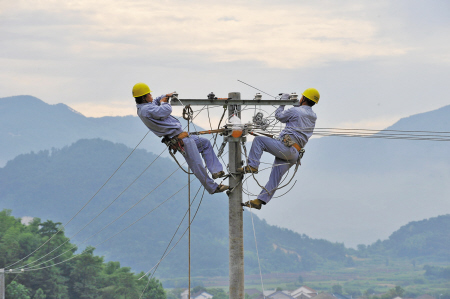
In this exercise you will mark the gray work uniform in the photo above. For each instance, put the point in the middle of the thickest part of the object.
(157, 117)
(296, 119)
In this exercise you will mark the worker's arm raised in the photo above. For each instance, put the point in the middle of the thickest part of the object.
(282, 115)
(165, 98)
(160, 110)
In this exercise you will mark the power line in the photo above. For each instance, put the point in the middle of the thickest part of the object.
(62, 227)
(82, 208)
(117, 218)
(70, 238)
(195, 214)
(100, 243)
(174, 234)
(257, 89)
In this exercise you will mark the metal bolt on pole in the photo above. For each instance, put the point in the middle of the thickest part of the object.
(235, 212)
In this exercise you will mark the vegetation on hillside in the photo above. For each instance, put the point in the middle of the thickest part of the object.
(54, 184)
(67, 276)
(426, 239)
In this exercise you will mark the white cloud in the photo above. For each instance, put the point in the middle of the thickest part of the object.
(279, 36)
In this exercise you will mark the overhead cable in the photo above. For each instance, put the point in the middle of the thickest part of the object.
(174, 234)
(82, 208)
(109, 224)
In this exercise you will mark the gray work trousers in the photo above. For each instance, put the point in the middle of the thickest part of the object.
(194, 145)
(285, 157)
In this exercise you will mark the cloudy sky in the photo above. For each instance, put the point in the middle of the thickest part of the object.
(372, 61)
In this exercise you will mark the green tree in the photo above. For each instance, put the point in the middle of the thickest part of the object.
(39, 294)
(85, 275)
(395, 292)
(17, 291)
(154, 289)
(198, 289)
(219, 293)
(175, 293)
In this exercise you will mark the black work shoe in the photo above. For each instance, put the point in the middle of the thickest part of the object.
(247, 169)
(254, 204)
(221, 188)
(217, 175)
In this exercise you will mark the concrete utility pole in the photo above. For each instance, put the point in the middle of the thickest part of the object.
(2, 284)
(235, 212)
(235, 217)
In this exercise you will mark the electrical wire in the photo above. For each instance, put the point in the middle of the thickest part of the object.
(127, 227)
(82, 208)
(117, 218)
(97, 214)
(173, 236)
(73, 236)
(195, 214)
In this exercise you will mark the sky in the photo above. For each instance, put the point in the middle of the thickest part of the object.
(372, 61)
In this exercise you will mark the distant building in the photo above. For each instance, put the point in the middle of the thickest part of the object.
(268, 292)
(201, 295)
(198, 295)
(304, 292)
(280, 295)
(324, 296)
(273, 294)
(184, 294)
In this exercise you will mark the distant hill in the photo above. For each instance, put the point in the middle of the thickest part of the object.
(350, 190)
(28, 124)
(55, 184)
(426, 238)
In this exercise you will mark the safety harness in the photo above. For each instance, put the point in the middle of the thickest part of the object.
(175, 143)
(287, 140)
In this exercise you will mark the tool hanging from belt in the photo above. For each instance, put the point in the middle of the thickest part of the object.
(176, 144)
(287, 140)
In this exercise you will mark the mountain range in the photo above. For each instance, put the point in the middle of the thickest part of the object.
(28, 124)
(56, 184)
(351, 190)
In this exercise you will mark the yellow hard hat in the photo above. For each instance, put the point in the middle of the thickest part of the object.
(312, 94)
(140, 89)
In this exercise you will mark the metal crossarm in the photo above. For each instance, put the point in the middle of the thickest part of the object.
(233, 101)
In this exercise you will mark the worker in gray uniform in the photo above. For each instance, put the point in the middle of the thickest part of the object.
(300, 122)
(156, 115)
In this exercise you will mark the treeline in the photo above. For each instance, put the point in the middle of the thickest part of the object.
(427, 238)
(62, 273)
